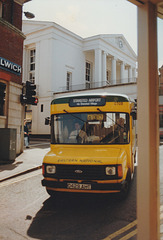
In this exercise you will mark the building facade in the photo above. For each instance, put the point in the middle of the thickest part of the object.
(59, 61)
(11, 52)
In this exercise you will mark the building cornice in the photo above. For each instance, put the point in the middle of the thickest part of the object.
(48, 25)
(11, 27)
(21, 2)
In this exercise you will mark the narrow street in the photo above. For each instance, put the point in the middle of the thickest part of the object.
(27, 212)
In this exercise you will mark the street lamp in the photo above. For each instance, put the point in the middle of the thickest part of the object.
(29, 15)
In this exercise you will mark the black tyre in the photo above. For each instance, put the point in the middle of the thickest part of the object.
(125, 187)
(124, 191)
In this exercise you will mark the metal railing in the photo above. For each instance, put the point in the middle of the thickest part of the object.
(92, 85)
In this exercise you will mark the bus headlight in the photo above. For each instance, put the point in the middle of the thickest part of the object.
(51, 169)
(110, 171)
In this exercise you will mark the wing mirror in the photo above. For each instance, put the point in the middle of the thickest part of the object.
(134, 114)
(47, 121)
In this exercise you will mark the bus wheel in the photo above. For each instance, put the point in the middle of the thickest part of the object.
(125, 187)
(124, 191)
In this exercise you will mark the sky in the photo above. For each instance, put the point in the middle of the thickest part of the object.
(87, 18)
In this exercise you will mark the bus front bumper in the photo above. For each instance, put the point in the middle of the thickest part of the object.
(89, 187)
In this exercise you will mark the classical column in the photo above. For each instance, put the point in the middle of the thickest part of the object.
(104, 68)
(130, 74)
(122, 72)
(98, 64)
(113, 71)
(134, 74)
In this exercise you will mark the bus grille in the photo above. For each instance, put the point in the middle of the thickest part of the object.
(81, 172)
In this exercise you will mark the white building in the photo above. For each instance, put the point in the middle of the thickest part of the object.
(59, 61)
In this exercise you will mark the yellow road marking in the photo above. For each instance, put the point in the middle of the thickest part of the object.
(122, 230)
(129, 235)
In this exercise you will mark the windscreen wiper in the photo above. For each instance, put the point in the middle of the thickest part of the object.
(111, 119)
(74, 116)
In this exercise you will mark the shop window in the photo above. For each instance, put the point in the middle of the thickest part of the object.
(2, 98)
(1, 9)
(161, 116)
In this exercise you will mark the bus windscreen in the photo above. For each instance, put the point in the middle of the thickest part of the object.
(90, 128)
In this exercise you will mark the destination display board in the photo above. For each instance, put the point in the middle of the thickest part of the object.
(95, 117)
(87, 101)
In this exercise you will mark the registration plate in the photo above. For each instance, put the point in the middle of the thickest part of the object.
(78, 186)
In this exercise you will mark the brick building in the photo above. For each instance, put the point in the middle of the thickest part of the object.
(11, 52)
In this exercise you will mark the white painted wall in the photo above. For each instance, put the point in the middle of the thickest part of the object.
(58, 51)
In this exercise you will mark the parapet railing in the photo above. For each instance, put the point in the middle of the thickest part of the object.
(90, 85)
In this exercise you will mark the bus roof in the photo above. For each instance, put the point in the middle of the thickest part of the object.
(111, 97)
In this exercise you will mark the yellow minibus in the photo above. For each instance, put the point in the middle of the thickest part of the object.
(93, 144)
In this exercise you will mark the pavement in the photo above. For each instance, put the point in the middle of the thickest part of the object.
(30, 160)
